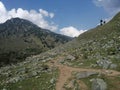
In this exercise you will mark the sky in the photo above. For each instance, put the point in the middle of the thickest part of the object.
(68, 17)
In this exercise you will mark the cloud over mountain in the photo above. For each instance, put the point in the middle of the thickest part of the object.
(42, 18)
(37, 17)
(71, 31)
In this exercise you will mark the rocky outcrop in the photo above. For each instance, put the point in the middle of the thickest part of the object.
(98, 84)
(105, 64)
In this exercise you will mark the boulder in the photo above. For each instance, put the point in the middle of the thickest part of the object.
(98, 84)
(113, 66)
(85, 74)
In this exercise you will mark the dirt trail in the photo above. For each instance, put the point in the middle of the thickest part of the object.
(65, 73)
(83, 86)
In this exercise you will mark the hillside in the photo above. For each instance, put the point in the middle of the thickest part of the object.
(20, 38)
(89, 62)
(100, 45)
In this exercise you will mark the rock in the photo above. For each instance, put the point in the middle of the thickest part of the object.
(32, 74)
(113, 66)
(80, 64)
(98, 84)
(15, 79)
(104, 63)
(7, 74)
(61, 61)
(21, 71)
(70, 57)
(93, 65)
(4, 89)
(52, 81)
(20, 86)
(44, 61)
(84, 74)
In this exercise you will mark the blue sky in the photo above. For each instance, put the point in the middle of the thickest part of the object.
(68, 17)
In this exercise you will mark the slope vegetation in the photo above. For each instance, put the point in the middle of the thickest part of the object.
(20, 38)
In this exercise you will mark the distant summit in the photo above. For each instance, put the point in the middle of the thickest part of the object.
(20, 38)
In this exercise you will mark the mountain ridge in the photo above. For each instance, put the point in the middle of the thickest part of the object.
(25, 38)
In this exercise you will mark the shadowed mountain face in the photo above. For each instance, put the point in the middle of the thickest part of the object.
(20, 38)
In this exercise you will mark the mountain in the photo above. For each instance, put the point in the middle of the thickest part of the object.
(20, 38)
(88, 62)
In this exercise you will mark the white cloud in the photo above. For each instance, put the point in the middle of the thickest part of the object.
(111, 6)
(2, 8)
(38, 18)
(51, 15)
(43, 12)
(71, 31)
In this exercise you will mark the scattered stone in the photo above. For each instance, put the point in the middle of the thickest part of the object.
(70, 57)
(61, 61)
(70, 84)
(52, 81)
(21, 71)
(4, 89)
(80, 64)
(7, 74)
(34, 73)
(93, 65)
(14, 79)
(104, 63)
(113, 66)
(37, 76)
(44, 61)
(98, 84)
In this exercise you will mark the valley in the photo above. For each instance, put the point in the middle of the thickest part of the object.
(89, 62)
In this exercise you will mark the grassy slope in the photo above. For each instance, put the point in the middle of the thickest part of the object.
(102, 42)
(41, 83)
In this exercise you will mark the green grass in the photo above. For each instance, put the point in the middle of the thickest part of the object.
(40, 83)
